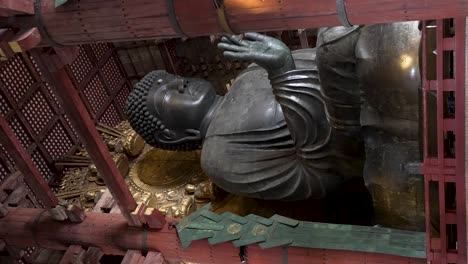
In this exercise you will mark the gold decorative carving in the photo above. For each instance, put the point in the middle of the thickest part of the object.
(172, 182)
(167, 180)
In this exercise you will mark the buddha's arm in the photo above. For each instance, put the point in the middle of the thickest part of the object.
(297, 91)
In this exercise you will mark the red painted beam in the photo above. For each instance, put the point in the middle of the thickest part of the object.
(25, 165)
(25, 40)
(17, 7)
(24, 227)
(85, 127)
(89, 21)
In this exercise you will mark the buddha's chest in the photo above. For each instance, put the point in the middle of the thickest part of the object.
(249, 105)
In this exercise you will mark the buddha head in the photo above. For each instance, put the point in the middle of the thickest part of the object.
(170, 112)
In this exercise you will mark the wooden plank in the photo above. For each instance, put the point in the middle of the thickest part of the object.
(17, 196)
(59, 213)
(3, 196)
(132, 257)
(93, 255)
(154, 218)
(25, 165)
(71, 254)
(26, 203)
(3, 210)
(115, 210)
(105, 203)
(44, 256)
(75, 213)
(14, 252)
(11, 182)
(154, 258)
(138, 215)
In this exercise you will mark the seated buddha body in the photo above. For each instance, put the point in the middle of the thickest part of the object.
(293, 126)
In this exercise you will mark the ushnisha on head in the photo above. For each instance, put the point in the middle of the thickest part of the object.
(171, 112)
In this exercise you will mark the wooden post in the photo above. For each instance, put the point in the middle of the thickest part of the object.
(76, 111)
(303, 38)
(25, 165)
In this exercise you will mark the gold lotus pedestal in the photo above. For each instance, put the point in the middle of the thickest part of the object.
(167, 180)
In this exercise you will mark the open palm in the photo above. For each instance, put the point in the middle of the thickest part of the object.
(268, 52)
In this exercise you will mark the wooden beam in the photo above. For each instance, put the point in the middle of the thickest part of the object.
(111, 233)
(25, 165)
(79, 117)
(90, 21)
(17, 7)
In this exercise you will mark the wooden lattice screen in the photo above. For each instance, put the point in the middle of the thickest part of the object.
(34, 113)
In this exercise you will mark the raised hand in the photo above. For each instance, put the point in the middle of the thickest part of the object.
(270, 53)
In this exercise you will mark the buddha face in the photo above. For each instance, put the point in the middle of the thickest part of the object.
(171, 110)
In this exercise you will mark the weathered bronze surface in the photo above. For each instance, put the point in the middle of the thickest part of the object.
(275, 135)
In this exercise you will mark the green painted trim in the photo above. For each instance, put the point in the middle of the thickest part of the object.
(60, 2)
(279, 231)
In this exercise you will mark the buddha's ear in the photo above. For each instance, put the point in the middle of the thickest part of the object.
(192, 135)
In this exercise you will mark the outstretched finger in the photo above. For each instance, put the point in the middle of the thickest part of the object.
(226, 40)
(232, 47)
(235, 55)
(255, 36)
(237, 40)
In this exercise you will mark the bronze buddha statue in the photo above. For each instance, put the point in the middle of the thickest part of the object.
(290, 127)
(285, 140)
